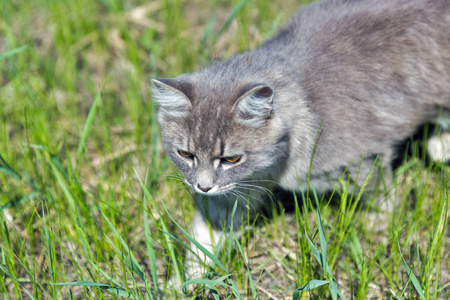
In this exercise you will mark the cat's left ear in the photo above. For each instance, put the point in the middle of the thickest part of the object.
(172, 96)
(255, 105)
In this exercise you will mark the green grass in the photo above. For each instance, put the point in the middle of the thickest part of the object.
(88, 211)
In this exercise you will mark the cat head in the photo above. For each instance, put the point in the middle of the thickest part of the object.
(219, 136)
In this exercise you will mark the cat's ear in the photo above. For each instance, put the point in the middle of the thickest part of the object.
(172, 96)
(255, 105)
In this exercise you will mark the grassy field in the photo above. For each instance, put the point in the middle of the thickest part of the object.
(88, 208)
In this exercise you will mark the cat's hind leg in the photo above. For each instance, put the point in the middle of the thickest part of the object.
(439, 147)
(439, 143)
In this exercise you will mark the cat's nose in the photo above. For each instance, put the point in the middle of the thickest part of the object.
(206, 189)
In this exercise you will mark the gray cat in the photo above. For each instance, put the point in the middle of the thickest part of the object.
(361, 76)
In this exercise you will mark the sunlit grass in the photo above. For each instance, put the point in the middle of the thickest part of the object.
(87, 208)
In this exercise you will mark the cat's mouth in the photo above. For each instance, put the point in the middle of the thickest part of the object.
(214, 191)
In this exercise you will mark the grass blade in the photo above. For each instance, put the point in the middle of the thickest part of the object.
(18, 201)
(323, 241)
(149, 244)
(106, 276)
(164, 227)
(285, 294)
(50, 252)
(366, 181)
(312, 284)
(15, 280)
(311, 160)
(231, 17)
(178, 240)
(88, 125)
(12, 52)
(208, 31)
(250, 277)
(333, 289)
(411, 276)
(109, 288)
(82, 283)
(62, 183)
(197, 244)
(208, 282)
(211, 284)
(132, 262)
(413, 279)
(318, 255)
(134, 267)
(8, 170)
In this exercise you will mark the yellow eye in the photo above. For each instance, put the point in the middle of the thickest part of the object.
(185, 154)
(231, 159)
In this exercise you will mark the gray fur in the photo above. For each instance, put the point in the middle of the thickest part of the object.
(371, 70)
(253, 108)
(172, 103)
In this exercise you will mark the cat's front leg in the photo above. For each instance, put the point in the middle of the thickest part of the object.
(197, 262)
(216, 210)
(208, 236)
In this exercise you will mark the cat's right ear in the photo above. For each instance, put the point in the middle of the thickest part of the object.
(171, 96)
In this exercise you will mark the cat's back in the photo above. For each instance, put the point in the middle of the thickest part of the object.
(362, 49)
(338, 21)
(378, 65)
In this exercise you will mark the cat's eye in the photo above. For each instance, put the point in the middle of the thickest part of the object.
(186, 154)
(231, 159)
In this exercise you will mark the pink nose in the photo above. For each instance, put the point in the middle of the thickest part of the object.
(203, 189)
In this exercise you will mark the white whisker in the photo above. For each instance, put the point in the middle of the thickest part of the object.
(259, 180)
(242, 196)
(257, 188)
